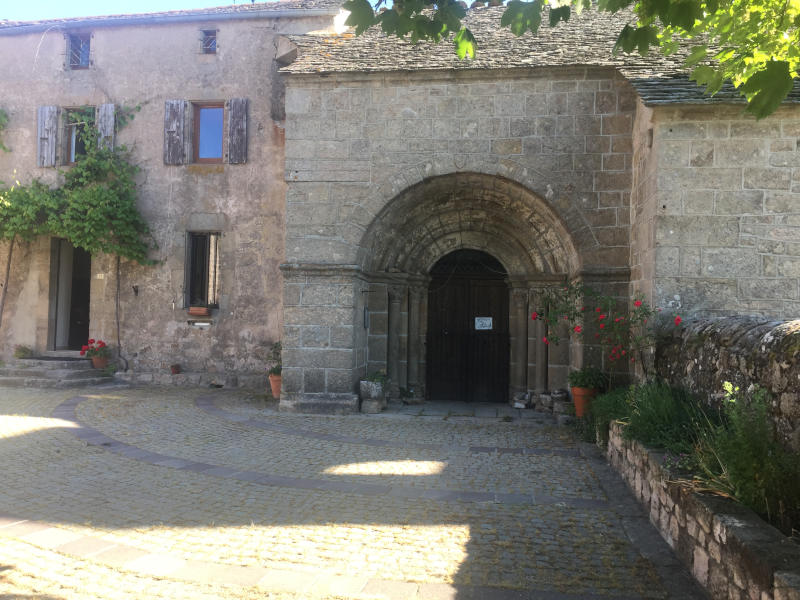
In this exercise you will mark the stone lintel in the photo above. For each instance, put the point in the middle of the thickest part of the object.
(603, 274)
(320, 404)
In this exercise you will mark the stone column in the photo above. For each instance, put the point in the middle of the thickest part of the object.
(539, 331)
(414, 350)
(396, 293)
(519, 379)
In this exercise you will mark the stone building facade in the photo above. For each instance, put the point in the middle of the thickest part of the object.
(161, 64)
(395, 190)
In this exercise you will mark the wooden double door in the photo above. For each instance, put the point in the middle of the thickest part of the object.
(468, 343)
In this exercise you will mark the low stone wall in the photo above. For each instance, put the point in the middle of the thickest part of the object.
(743, 350)
(728, 548)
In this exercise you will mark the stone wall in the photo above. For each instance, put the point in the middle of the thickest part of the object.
(728, 548)
(716, 210)
(705, 353)
(392, 171)
(145, 66)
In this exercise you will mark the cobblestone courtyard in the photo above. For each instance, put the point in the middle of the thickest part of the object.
(188, 493)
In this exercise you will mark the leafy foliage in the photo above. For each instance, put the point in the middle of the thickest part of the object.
(753, 43)
(741, 457)
(3, 124)
(664, 417)
(588, 377)
(95, 208)
(612, 406)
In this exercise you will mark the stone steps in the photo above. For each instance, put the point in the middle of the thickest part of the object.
(56, 372)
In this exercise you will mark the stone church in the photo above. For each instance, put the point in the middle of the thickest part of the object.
(379, 205)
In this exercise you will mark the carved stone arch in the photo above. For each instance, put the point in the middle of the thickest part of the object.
(468, 210)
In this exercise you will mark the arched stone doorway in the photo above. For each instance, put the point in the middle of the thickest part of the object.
(411, 243)
(354, 308)
(467, 342)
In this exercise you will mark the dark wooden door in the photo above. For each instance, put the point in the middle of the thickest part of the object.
(467, 362)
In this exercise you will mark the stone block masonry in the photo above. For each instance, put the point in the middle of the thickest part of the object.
(730, 551)
(716, 210)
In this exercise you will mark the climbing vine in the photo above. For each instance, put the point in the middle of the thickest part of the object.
(3, 123)
(94, 209)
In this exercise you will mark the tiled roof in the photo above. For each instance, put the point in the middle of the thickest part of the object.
(331, 6)
(585, 40)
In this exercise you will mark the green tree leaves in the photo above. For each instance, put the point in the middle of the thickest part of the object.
(754, 44)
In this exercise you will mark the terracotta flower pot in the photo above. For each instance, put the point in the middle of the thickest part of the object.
(99, 362)
(275, 386)
(582, 397)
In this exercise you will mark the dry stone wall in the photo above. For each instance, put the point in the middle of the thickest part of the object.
(746, 351)
(728, 548)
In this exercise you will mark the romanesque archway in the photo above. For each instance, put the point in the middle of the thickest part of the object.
(443, 215)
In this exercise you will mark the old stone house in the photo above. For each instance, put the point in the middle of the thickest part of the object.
(400, 209)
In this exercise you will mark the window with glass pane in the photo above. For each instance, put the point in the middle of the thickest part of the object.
(203, 269)
(209, 41)
(79, 51)
(208, 133)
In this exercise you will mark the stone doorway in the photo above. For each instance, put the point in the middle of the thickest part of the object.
(467, 333)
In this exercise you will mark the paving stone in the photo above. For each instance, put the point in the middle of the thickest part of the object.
(202, 495)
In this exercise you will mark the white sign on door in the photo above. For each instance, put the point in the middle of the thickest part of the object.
(483, 323)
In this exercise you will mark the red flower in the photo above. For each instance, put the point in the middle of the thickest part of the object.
(577, 329)
(566, 317)
(91, 341)
(598, 309)
(637, 303)
(597, 335)
(544, 339)
(84, 348)
(101, 344)
(623, 353)
(83, 351)
(602, 325)
(534, 315)
(601, 317)
(678, 321)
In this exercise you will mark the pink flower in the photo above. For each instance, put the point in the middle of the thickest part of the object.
(545, 340)
(678, 321)
(534, 315)
(637, 303)
(602, 325)
(601, 317)
(577, 329)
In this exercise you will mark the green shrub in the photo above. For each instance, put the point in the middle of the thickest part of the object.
(21, 351)
(611, 406)
(588, 377)
(743, 458)
(664, 417)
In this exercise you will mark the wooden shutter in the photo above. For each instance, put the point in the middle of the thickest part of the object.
(237, 131)
(174, 129)
(47, 132)
(104, 117)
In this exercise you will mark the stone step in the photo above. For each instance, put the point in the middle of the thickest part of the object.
(39, 382)
(45, 363)
(57, 374)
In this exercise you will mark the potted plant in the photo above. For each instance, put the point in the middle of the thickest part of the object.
(584, 384)
(372, 393)
(98, 352)
(275, 370)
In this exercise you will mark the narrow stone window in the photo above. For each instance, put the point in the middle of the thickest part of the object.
(209, 41)
(202, 269)
(208, 132)
(78, 45)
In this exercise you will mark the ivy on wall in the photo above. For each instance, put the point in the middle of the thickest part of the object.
(94, 209)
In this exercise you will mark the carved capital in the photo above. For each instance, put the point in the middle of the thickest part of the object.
(396, 293)
(520, 297)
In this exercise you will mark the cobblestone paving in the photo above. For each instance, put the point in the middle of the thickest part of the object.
(183, 493)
